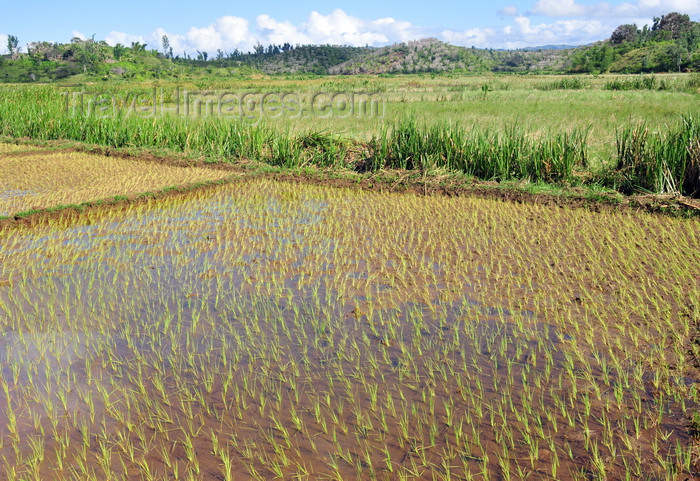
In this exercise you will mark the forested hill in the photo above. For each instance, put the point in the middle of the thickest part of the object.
(672, 43)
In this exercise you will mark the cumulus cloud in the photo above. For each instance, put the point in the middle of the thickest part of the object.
(225, 33)
(114, 38)
(3, 43)
(568, 22)
(473, 37)
(549, 21)
(280, 32)
(508, 11)
(229, 33)
(397, 30)
(524, 33)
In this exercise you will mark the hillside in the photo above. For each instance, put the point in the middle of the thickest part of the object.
(432, 55)
(672, 43)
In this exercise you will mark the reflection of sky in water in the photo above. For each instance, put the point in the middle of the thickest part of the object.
(180, 247)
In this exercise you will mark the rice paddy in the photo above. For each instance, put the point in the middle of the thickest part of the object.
(272, 330)
(4, 147)
(36, 180)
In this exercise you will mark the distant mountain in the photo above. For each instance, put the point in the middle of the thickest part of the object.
(550, 47)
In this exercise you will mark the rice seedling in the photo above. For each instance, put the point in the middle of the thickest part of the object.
(41, 180)
(278, 330)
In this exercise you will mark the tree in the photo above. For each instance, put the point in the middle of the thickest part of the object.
(167, 49)
(624, 33)
(42, 51)
(673, 22)
(86, 52)
(12, 43)
(118, 51)
(138, 47)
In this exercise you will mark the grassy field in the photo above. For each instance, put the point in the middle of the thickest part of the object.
(267, 330)
(541, 104)
(506, 110)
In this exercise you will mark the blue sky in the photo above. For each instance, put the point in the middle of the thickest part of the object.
(208, 25)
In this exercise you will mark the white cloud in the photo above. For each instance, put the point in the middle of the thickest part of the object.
(523, 33)
(572, 23)
(558, 8)
(226, 33)
(343, 29)
(80, 35)
(558, 21)
(229, 33)
(114, 38)
(3, 43)
(572, 32)
(640, 8)
(396, 29)
(473, 37)
(280, 32)
(525, 28)
(508, 11)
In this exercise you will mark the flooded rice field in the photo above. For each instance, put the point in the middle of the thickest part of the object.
(271, 330)
(34, 180)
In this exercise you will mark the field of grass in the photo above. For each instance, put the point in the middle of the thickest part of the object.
(542, 111)
(541, 104)
(34, 180)
(271, 330)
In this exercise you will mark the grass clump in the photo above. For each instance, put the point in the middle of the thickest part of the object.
(642, 82)
(566, 83)
(659, 162)
(485, 154)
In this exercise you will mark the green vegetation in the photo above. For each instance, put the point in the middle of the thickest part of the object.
(264, 330)
(511, 154)
(492, 128)
(660, 161)
(671, 44)
(160, 322)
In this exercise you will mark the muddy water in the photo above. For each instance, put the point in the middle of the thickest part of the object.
(275, 330)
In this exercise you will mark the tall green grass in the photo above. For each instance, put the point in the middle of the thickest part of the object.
(660, 162)
(641, 82)
(566, 83)
(511, 154)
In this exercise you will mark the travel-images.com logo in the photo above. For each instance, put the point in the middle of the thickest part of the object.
(249, 107)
